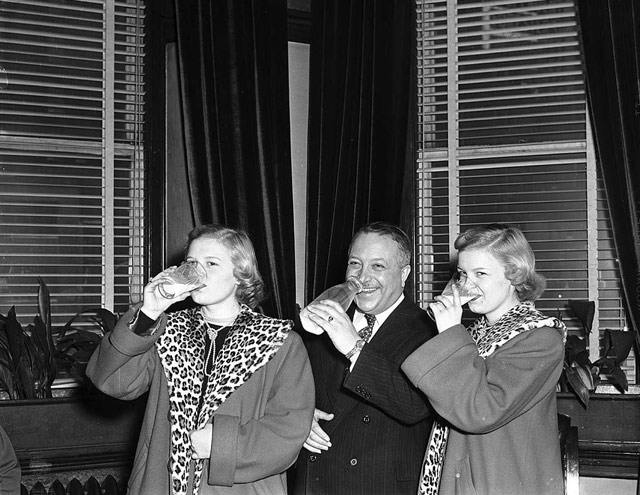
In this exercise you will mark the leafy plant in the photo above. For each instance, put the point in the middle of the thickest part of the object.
(32, 357)
(580, 374)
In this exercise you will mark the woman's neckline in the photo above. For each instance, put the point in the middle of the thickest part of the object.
(222, 321)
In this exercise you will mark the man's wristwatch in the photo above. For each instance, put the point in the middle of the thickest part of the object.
(356, 348)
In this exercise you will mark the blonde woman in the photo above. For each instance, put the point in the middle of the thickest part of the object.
(493, 384)
(231, 395)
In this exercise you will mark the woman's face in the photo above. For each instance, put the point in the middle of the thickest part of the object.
(483, 269)
(221, 284)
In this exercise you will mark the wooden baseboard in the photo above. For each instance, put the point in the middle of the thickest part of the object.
(73, 434)
(602, 460)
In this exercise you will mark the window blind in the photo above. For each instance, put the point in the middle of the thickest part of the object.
(71, 154)
(503, 136)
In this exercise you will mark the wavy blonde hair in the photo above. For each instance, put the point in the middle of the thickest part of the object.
(251, 289)
(509, 246)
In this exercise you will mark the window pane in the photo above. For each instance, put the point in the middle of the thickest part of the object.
(502, 125)
(519, 73)
(53, 54)
(72, 176)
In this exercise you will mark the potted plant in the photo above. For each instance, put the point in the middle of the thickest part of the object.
(581, 375)
(608, 423)
(32, 357)
(72, 432)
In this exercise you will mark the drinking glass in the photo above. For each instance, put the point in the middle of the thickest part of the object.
(467, 290)
(189, 276)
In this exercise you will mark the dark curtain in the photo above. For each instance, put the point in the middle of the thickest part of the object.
(234, 85)
(610, 31)
(360, 166)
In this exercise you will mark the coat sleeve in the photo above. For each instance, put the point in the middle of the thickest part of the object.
(480, 395)
(377, 377)
(10, 473)
(124, 363)
(379, 380)
(262, 447)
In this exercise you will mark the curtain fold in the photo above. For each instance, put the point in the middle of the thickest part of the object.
(361, 60)
(233, 67)
(610, 31)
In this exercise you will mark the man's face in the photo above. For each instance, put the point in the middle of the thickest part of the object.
(375, 260)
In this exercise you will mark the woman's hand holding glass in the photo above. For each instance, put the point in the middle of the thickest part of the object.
(172, 285)
(446, 310)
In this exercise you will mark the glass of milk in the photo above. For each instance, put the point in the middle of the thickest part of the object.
(467, 290)
(188, 277)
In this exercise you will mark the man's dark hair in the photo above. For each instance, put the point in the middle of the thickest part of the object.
(392, 231)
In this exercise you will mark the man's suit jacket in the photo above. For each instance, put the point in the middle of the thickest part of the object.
(381, 421)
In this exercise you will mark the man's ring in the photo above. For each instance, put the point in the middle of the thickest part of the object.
(330, 319)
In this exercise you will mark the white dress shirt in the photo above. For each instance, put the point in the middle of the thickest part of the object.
(359, 321)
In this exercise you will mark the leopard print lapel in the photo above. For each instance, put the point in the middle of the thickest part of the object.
(252, 341)
(518, 319)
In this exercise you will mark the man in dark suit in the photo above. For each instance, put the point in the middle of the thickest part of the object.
(371, 425)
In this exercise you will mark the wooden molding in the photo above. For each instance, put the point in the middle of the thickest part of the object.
(70, 434)
(608, 433)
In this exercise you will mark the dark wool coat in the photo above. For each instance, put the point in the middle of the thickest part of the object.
(10, 472)
(381, 421)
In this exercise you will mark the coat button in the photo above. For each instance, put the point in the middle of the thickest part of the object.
(366, 418)
(312, 458)
(353, 461)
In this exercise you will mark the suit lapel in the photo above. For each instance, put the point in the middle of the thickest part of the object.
(346, 400)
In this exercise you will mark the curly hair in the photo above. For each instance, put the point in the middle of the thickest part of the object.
(251, 289)
(509, 246)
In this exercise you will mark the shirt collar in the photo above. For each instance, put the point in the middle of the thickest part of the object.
(360, 322)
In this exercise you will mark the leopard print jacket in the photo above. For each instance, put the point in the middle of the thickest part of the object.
(252, 341)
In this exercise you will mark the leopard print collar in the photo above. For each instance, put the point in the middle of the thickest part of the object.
(521, 318)
(252, 341)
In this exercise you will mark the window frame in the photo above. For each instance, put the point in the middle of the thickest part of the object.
(121, 143)
(443, 150)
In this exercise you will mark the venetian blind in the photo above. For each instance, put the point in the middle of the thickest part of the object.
(502, 137)
(71, 143)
